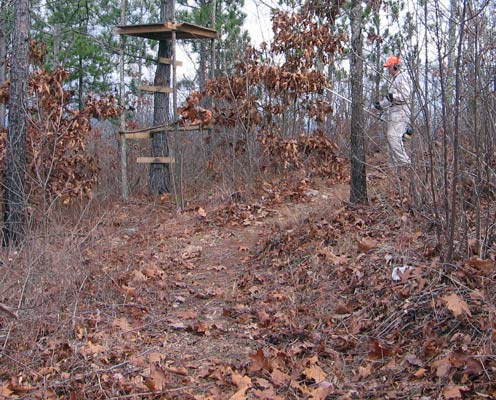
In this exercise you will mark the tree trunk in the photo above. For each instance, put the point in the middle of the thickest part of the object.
(378, 54)
(15, 199)
(3, 54)
(455, 148)
(80, 83)
(212, 42)
(124, 181)
(202, 68)
(160, 173)
(358, 189)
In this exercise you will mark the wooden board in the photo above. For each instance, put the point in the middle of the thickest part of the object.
(163, 31)
(160, 89)
(138, 135)
(156, 160)
(166, 60)
(146, 133)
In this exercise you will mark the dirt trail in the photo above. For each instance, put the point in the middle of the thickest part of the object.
(179, 279)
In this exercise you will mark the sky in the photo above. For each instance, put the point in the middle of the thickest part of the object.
(257, 21)
(257, 24)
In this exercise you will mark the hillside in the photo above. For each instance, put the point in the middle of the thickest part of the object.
(287, 296)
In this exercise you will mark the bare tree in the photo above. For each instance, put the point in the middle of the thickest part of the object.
(3, 54)
(15, 201)
(358, 189)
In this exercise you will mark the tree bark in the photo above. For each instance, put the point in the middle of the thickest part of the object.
(3, 54)
(455, 148)
(358, 189)
(14, 229)
(124, 181)
(160, 173)
(212, 42)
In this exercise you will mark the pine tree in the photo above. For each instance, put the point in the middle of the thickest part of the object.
(80, 37)
(15, 201)
(232, 39)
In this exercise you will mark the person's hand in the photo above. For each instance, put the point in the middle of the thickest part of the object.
(377, 106)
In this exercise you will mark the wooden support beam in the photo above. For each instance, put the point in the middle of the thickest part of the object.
(156, 160)
(161, 89)
(146, 133)
(166, 60)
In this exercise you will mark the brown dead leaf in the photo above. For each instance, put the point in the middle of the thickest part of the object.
(454, 392)
(157, 379)
(366, 244)
(155, 357)
(267, 394)
(262, 383)
(164, 198)
(46, 371)
(122, 324)
(328, 254)
(91, 349)
(259, 361)
(130, 291)
(413, 360)
(137, 276)
(201, 212)
(243, 383)
(442, 367)
(202, 327)
(5, 391)
(379, 350)
(420, 373)
(366, 371)
(485, 266)
(177, 370)
(279, 378)
(137, 361)
(316, 373)
(277, 295)
(322, 391)
(456, 305)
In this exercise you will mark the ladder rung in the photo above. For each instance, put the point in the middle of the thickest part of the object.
(156, 160)
(137, 135)
(160, 89)
(167, 60)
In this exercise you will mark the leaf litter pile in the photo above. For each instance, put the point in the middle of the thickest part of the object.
(303, 297)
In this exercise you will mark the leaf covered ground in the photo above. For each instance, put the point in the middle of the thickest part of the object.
(295, 294)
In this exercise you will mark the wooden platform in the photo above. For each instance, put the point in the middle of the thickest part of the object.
(163, 31)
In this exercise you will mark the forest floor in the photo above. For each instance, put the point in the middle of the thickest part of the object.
(291, 295)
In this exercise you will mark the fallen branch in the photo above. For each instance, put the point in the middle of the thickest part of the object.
(9, 311)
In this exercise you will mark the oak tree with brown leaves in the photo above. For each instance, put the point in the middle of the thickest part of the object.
(58, 165)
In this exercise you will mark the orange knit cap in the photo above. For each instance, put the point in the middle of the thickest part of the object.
(393, 60)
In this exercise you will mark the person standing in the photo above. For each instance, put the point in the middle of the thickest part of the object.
(395, 104)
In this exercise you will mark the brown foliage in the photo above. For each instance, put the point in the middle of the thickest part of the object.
(58, 163)
(260, 94)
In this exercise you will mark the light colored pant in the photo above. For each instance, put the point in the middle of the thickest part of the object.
(397, 122)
